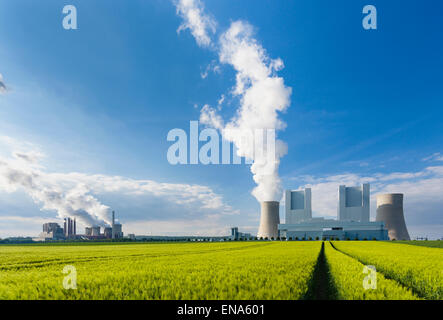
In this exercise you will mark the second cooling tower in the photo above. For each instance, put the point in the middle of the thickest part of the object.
(390, 211)
(269, 220)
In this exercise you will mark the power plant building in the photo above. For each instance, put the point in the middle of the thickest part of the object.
(236, 235)
(353, 217)
(298, 206)
(353, 203)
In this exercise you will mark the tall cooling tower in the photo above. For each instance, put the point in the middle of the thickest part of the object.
(390, 211)
(269, 220)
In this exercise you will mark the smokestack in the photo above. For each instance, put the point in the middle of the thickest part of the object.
(390, 211)
(269, 220)
(75, 227)
(113, 224)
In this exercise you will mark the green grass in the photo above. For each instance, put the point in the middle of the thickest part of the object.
(347, 276)
(231, 270)
(415, 267)
(427, 243)
(249, 270)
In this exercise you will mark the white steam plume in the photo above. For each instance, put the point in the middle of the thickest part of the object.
(262, 94)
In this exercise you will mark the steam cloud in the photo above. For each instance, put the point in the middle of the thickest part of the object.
(261, 92)
(68, 200)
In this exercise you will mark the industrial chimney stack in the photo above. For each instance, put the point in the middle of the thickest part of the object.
(269, 220)
(390, 211)
(113, 224)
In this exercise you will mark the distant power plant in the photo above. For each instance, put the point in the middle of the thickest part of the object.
(113, 232)
(53, 231)
(390, 210)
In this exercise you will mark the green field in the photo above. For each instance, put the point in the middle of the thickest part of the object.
(235, 270)
(427, 243)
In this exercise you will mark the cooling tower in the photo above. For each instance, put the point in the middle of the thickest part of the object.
(390, 211)
(269, 220)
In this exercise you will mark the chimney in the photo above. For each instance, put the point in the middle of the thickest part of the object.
(113, 224)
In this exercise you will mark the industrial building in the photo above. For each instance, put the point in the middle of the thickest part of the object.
(112, 232)
(298, 206)
(53, 231)
(352, 217)
(353, 203)
(236, 235)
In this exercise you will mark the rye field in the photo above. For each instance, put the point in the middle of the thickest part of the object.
(286, 270)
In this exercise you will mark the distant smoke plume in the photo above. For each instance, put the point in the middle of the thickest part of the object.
(262, 95)
(68, 200)
(75, 194)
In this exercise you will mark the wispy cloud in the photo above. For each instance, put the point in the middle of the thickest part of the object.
(434, 157)
(201, 25)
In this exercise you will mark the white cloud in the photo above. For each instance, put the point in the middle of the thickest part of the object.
(200, 24)
(434, 157)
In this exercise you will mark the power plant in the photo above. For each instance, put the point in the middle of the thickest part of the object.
(352, 217)
(53, 231)
(390, 211)
(269, 220)
(112, 232)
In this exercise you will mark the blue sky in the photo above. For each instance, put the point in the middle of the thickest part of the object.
(100, 100)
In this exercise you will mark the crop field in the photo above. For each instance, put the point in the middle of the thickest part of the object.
(427, 243)
(288, 270)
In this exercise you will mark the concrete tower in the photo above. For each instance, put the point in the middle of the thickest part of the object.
(390, 211)
(269, 220)
(298, 206)
(353, 203)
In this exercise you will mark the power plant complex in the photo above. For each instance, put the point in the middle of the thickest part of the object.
(53, 231)
(352, 221)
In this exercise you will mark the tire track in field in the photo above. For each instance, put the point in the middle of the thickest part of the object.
(45, 263)
(321, 286)
(400, 283)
